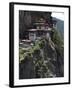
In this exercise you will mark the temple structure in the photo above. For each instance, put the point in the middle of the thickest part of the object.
(42, 29)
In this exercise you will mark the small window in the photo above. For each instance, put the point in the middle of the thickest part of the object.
(47, 27)
(42, 27)
(37, 27)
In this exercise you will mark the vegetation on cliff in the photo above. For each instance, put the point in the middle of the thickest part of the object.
(45, 57)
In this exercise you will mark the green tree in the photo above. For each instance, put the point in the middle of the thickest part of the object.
(56, 38)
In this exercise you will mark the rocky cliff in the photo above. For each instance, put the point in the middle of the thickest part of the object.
(44, 59)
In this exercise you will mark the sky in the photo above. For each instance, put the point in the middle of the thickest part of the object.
(58, 15)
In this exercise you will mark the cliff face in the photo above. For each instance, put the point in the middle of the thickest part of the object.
(43, 60)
